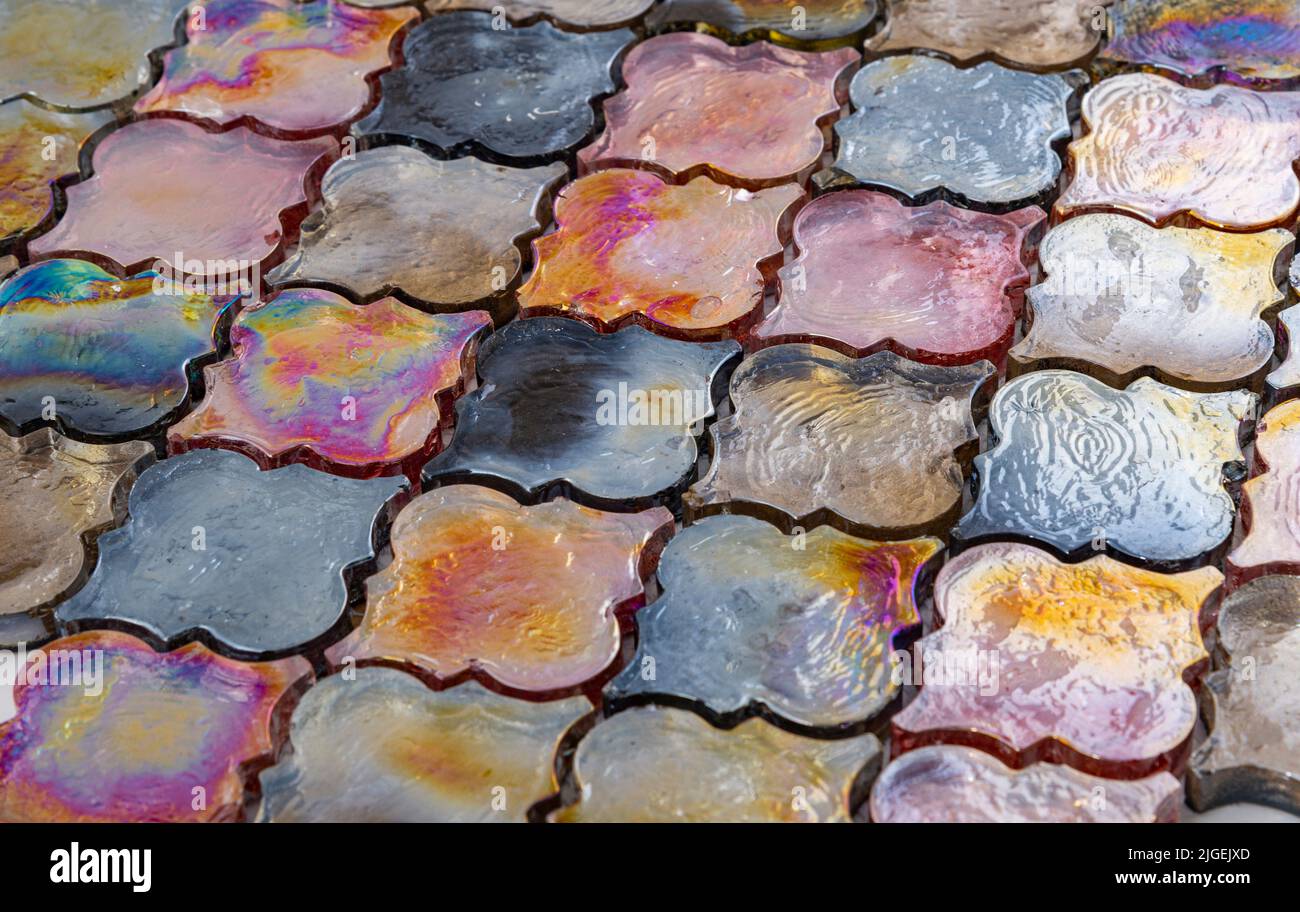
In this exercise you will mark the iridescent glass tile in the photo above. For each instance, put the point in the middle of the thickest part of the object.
(877, 446)
(382, 747)
(818, 23)
(751, 115)
(945, 783)
(609, 419)
(294, 66)
(1084, 468)
(8, 265)
(933, 283)
(658, 765)
(1270, 506)
(579, 14)
(690, 261)
(257, 562)
(803, 626)
(1223, 158)
(1283, 381)
(109, 731)
(1036, 660)
(531, 597)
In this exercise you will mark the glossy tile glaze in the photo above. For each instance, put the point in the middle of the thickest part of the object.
(609, 419)
(950, 784)
(517, 93)
(253, 560)
(442, 232)
(1271, 500)
(59, 495)
(817, 437)
(1037, 660)
(95, 355)
(803, 625)
(694, 104)
(933, 283)
(1083, 467)
(289, 65)
(163, 186)
(385, 748)
(660, 765)
(581, 14)
(793, 22)
(1224, 157)
(1286, 377)
(1253, 749)
(688, 261)
(528, 596)
(984, 135)
(148, 737)
(1120, 296)
(356, 390)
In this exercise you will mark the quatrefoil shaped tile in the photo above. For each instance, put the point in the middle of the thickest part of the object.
(690, 261)
(803, 626)
(654, 764)
(136, 736)
(933, 283)
(38, 147)
(1224, 157)
(818, 23)
(1122, 298)
(95, 355)
(1038, 34)
(292, 66)
(1253, 749)
(357, 390)
(1084, 467)
(945, 783)
(607, 419)
(515, 93)
(461, 594)
(877, 446)
(59, 494)
(1252, 43)
(164, 187)
(382, 747)
(980, 136)
(751, 116)
(1036, 660)
(256, 562)
(575, 14)
(1270, 507)
(445, 233)
(81, 53)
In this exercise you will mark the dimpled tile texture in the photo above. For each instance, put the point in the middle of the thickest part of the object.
(146, 737)
(921, 126)
(58, 495)
(1037, 660)
(442, 232)
(803, 625)
(661, 765)
(528, 596)
(383, 747)
(818, 437)
(949, 784)
(1249, 42)
(361, 390)
(81, 53)
(1224, 157)
(37, 147)
(1271, 500)
(1253, 749)
(97, 355)
(932, 283)
(1032, 33)
(523, 92)
(786, 21)
(606, 417)
(1120, 295)
(593, 14)
(290, 65)
(254, 560)
(747, 115)
(687, 261)
(165, 186)
(1080, 466)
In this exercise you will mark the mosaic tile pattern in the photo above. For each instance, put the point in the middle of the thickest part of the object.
(1271, 500)
(818, 22)
(579, 14)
